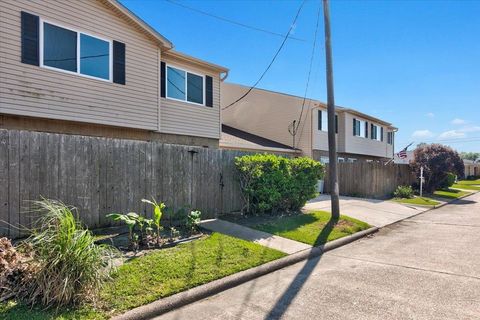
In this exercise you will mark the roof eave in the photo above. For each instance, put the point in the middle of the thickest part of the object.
(182, 56)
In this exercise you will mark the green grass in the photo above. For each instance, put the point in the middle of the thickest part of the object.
(160, 274)
(467, 186)
(418, 201)
(312, 228)
(469, 182)
(450, 193)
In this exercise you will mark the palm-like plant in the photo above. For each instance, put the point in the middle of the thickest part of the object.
(157, 214)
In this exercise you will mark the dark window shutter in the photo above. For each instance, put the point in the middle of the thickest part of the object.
(30, 39)
(336, 123)
(354, 126)
(118, 62)
(381, 133)
(319, 119)
(208, 91)
(366, 129)
(163, 77)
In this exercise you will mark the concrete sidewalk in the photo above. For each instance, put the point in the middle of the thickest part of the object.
(378, 213)
(265, 239)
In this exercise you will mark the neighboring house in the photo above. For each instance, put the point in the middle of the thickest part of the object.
(472, 168)
(270, 114)
(92, 67)
(236, 139)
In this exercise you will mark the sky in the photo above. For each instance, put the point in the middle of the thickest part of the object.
(415, 64)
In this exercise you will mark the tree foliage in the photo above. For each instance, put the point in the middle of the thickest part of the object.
(437, 161)
(273, 183)
(470, 155)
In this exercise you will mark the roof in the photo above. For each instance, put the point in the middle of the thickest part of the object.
(318, 103)
(233, 138)
(142, 25)
(185, 57)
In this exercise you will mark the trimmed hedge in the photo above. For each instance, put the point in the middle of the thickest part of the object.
(272, 183)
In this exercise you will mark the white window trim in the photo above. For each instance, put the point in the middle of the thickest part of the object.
(361, 125)
(110, 52)
(186, 93)
(378, 132)
(325, 116)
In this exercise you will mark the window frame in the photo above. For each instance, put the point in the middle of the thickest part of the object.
(320, 121)
(360, 128)
(186, 84)
(78, 32)
(378, 132)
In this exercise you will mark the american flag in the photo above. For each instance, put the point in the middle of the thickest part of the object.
(403, 154)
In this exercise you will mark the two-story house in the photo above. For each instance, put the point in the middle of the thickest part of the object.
(271, 115)
(92, 67)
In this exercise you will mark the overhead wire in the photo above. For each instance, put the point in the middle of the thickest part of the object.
(272, 61)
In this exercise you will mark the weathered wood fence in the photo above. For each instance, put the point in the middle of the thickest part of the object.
(371, 179)
(101, 176)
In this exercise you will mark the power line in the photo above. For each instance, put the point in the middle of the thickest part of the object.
(273, 59)
(309, 72)
(462, 139)
(230, 21)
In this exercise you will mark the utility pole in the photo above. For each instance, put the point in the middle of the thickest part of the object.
(332, 148)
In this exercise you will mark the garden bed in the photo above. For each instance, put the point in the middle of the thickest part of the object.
(161, 273)
(312, 228)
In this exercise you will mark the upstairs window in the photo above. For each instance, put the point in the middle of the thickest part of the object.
(185, 86)
(376, 133)
(359, 128)
(75, 52)
(390, 137)
(323, 121)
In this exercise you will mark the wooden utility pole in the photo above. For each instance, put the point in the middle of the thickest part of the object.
(332, 148)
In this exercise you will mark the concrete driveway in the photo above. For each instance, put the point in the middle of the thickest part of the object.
(378, 213)
(426, 267)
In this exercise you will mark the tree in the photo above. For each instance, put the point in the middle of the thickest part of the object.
(470, 155)
(437, 161)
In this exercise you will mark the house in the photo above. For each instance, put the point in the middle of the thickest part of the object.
(92, 67)
(270, 115)
(472, 168)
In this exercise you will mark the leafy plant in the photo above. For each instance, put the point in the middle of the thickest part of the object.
(405, 192)
(70, 267)
(193, 220)
(448, 181)
(157, 214)
(174, 233)
(130, 219)
(272, 183)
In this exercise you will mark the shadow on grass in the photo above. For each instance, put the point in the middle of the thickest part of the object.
(297, 283)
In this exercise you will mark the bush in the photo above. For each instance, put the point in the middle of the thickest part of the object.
(437, 162)
(448, 181)
(273, 183)
(405, 192)
(70, 267)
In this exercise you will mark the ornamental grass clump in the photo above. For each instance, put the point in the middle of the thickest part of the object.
(70, 267)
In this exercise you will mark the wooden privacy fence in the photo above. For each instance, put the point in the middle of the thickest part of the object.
(101, 176)
(371, 179)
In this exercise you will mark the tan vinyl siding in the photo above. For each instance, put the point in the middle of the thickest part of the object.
(364, 146)
(34, 91)
(178, 117)
(267, 114)
(320, 137)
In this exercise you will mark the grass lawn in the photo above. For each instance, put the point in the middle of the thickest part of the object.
(468, 185)
(312, 228)
(160, 274)
(418, 201)
(450, 193)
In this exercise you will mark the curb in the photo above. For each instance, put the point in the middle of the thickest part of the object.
(181, 299)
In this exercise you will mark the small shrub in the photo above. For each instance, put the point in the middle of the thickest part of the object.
(448, 181)
(405, 192)
(271, 183)
(70, 267)
(193, 220)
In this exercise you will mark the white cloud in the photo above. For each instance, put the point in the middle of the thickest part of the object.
(458, 121)
(452, 134)
(422, 134)
(470, 129)
(430, 115)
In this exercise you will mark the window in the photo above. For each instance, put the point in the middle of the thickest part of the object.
(341, 160)
(323, 121)
(376, 133)
(359, 128)
(75, 52)
(351, 160)
(185, 86)
(390, 137)
(324, 159)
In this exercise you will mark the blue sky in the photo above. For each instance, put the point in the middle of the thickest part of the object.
(413, 63)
